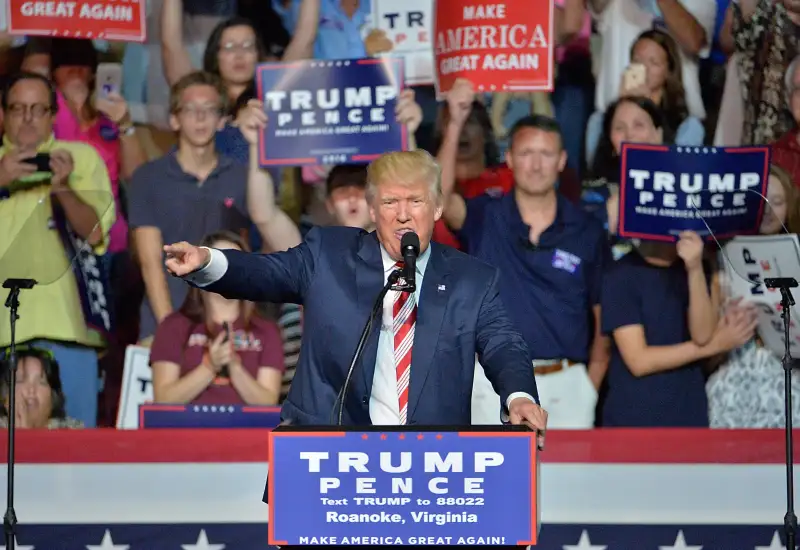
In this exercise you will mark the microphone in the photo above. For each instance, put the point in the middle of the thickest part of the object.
(409, 247)
(377, 308)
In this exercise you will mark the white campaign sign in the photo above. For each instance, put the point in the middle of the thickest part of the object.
(137, 386)
(750, 260)
(409, 25)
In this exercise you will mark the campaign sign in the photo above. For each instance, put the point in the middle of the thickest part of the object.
(747, 262)
(330, 112)
(501, 46)
(409, 25)
(667, 190)
(403, 488)
(208, 416)
(137, 386)
(123, 20)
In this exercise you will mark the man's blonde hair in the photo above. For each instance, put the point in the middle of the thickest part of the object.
(405, 167)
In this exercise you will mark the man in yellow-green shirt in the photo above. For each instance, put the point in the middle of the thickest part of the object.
(72, 185)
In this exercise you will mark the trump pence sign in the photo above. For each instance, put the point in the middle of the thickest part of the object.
(330, 112)
(404, 488)
(717, 192)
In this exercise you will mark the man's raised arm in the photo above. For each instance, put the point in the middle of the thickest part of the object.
(281, 277)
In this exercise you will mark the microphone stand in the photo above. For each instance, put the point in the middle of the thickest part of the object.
(14, 287)
(784, 284)
(362, 341)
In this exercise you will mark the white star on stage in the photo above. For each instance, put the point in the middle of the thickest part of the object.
(680, 544)
(107, 544)
(202, 543)
(584, 544)
(18, 546)
(775, 543)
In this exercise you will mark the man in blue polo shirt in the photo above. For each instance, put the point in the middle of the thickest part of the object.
(550, 255)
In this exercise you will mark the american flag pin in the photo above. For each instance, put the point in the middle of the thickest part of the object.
(441, 288)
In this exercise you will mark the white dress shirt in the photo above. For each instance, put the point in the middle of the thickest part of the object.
(384, 405)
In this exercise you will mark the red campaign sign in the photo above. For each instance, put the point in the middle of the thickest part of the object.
(122, 20)
(499, 46)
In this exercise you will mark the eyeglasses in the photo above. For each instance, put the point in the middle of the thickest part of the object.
(37, 110)
(196, 111)
(231, 47)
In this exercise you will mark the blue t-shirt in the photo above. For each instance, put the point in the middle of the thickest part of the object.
(549, 288)
(638, 293)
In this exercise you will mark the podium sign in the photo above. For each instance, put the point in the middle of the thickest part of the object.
(468, 488)
(208, 416)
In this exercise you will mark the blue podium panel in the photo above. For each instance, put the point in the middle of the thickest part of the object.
(405, 488)
(208, 416)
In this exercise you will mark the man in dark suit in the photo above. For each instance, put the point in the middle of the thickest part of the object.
(418, 363)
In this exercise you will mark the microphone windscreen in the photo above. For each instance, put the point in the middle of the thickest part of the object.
(410, 240)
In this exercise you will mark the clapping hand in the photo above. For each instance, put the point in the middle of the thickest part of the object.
(21, 416)
(184, 258)
(736, 327)
(220, 353)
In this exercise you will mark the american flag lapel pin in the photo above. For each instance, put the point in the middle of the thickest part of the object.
(441, 288)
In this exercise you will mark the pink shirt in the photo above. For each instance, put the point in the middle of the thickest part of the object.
(580, 42)
(104, 137)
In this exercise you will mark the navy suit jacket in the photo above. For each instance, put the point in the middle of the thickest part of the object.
(337, 274)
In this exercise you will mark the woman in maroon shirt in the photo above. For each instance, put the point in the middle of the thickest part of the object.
(217, 351)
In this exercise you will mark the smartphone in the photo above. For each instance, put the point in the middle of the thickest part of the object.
(635, 76)
(108, 80)
(227, 328)
(40, 161)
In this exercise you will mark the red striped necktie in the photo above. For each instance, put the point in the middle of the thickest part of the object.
(405, 316)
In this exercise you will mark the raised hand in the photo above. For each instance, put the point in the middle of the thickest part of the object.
(184, 258)
(690, 249)
(459, 101)
(251, 121)
(377, 42)
(408, 111)
(114, 107)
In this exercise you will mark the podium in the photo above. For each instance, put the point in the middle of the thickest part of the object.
(392, 485)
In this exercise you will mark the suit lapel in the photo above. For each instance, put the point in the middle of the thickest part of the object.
(432, 305)
(369, 282)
